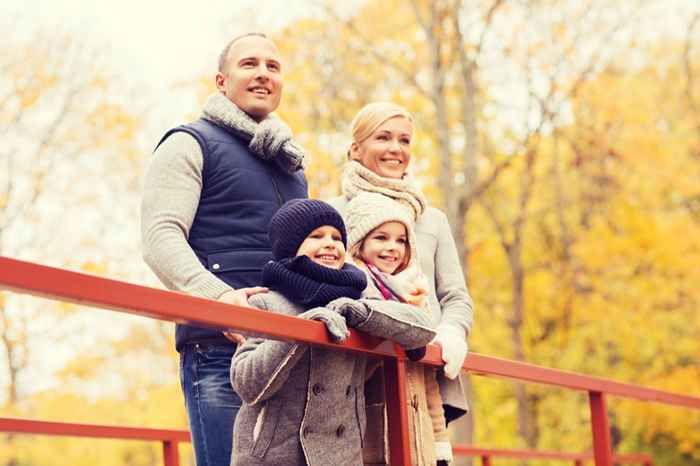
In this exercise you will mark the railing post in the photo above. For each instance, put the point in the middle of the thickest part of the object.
(170, 455)
(395, 390)
(578, 462)
(602, 447)
(485, 460)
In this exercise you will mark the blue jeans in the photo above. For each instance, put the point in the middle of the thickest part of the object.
(211, 403)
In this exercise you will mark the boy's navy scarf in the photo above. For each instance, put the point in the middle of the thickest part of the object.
(308, 284)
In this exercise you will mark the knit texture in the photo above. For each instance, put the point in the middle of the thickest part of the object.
(271, 139)
(396, 288)
(308, 284)
(335, 323)
(358, 179)
(368, 210)
(295, 220)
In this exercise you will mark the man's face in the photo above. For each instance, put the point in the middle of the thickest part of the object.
(252, 78)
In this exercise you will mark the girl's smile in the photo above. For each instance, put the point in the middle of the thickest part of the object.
(385, 247)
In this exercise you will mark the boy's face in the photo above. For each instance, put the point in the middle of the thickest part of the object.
(324, 246)
(385, 247)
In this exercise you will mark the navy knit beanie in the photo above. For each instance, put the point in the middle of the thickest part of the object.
(294, 221)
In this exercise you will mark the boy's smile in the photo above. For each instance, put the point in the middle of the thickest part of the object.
(325, 247)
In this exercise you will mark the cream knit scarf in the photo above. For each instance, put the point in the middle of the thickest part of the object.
(271, 139)
(358, 179)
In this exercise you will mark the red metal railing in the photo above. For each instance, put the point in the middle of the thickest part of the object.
(579, 459)
(64, 285)
(168, 437)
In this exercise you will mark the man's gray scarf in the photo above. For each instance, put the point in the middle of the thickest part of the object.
(271, 139)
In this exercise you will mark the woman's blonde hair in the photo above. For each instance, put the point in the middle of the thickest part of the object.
(371, 116)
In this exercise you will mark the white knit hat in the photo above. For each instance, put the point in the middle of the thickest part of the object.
(367, 211)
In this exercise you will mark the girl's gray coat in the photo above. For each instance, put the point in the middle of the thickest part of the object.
(304, 405)
(448, 298)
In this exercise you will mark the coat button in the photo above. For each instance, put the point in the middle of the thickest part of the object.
(348, 391)
(317, 389)
(216, 266)
(306, 432)
(340, 431)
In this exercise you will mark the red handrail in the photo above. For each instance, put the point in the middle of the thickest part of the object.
(579, 459)
(168, 437)
(64, 285)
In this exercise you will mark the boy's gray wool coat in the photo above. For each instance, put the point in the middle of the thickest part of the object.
(304, 405)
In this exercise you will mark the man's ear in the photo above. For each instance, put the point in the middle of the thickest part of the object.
(220, 80)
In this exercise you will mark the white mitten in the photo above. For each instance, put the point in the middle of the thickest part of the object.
(454, 349)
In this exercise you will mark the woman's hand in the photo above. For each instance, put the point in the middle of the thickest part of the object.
(454, 349)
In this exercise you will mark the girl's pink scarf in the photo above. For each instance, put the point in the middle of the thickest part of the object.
(380, 281)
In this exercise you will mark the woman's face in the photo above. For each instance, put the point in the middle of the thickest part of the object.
(324, 246)
(387, 151)
(385, 247)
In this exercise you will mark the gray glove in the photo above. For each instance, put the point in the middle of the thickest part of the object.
(355, 312)
(335, 323)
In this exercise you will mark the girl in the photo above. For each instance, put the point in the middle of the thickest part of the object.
(304, 405)
(382, 242)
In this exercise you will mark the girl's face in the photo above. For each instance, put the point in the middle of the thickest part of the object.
(324, 246)
(387, 151)
(386, 247)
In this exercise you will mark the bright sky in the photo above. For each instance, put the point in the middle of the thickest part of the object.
(164, 40)
(150, 45)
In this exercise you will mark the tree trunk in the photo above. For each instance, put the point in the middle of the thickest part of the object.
(525, 421)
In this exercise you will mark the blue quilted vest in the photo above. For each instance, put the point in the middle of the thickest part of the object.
(240, 194)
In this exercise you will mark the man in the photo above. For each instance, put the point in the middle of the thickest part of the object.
(209, 195)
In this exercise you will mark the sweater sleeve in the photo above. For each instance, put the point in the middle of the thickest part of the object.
(452, 294)
(172, 188)
(260, 367)
(391, 320)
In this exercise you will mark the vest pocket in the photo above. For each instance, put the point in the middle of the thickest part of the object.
(238, 260)
(265, 427)
(240, 267)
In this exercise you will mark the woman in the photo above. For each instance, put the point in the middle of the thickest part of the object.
(378, 161)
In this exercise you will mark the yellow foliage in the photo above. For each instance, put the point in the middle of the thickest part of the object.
(609, 241)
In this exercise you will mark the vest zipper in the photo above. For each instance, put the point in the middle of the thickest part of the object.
(277, 190)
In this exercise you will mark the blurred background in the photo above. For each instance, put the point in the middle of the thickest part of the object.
(562, 137)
